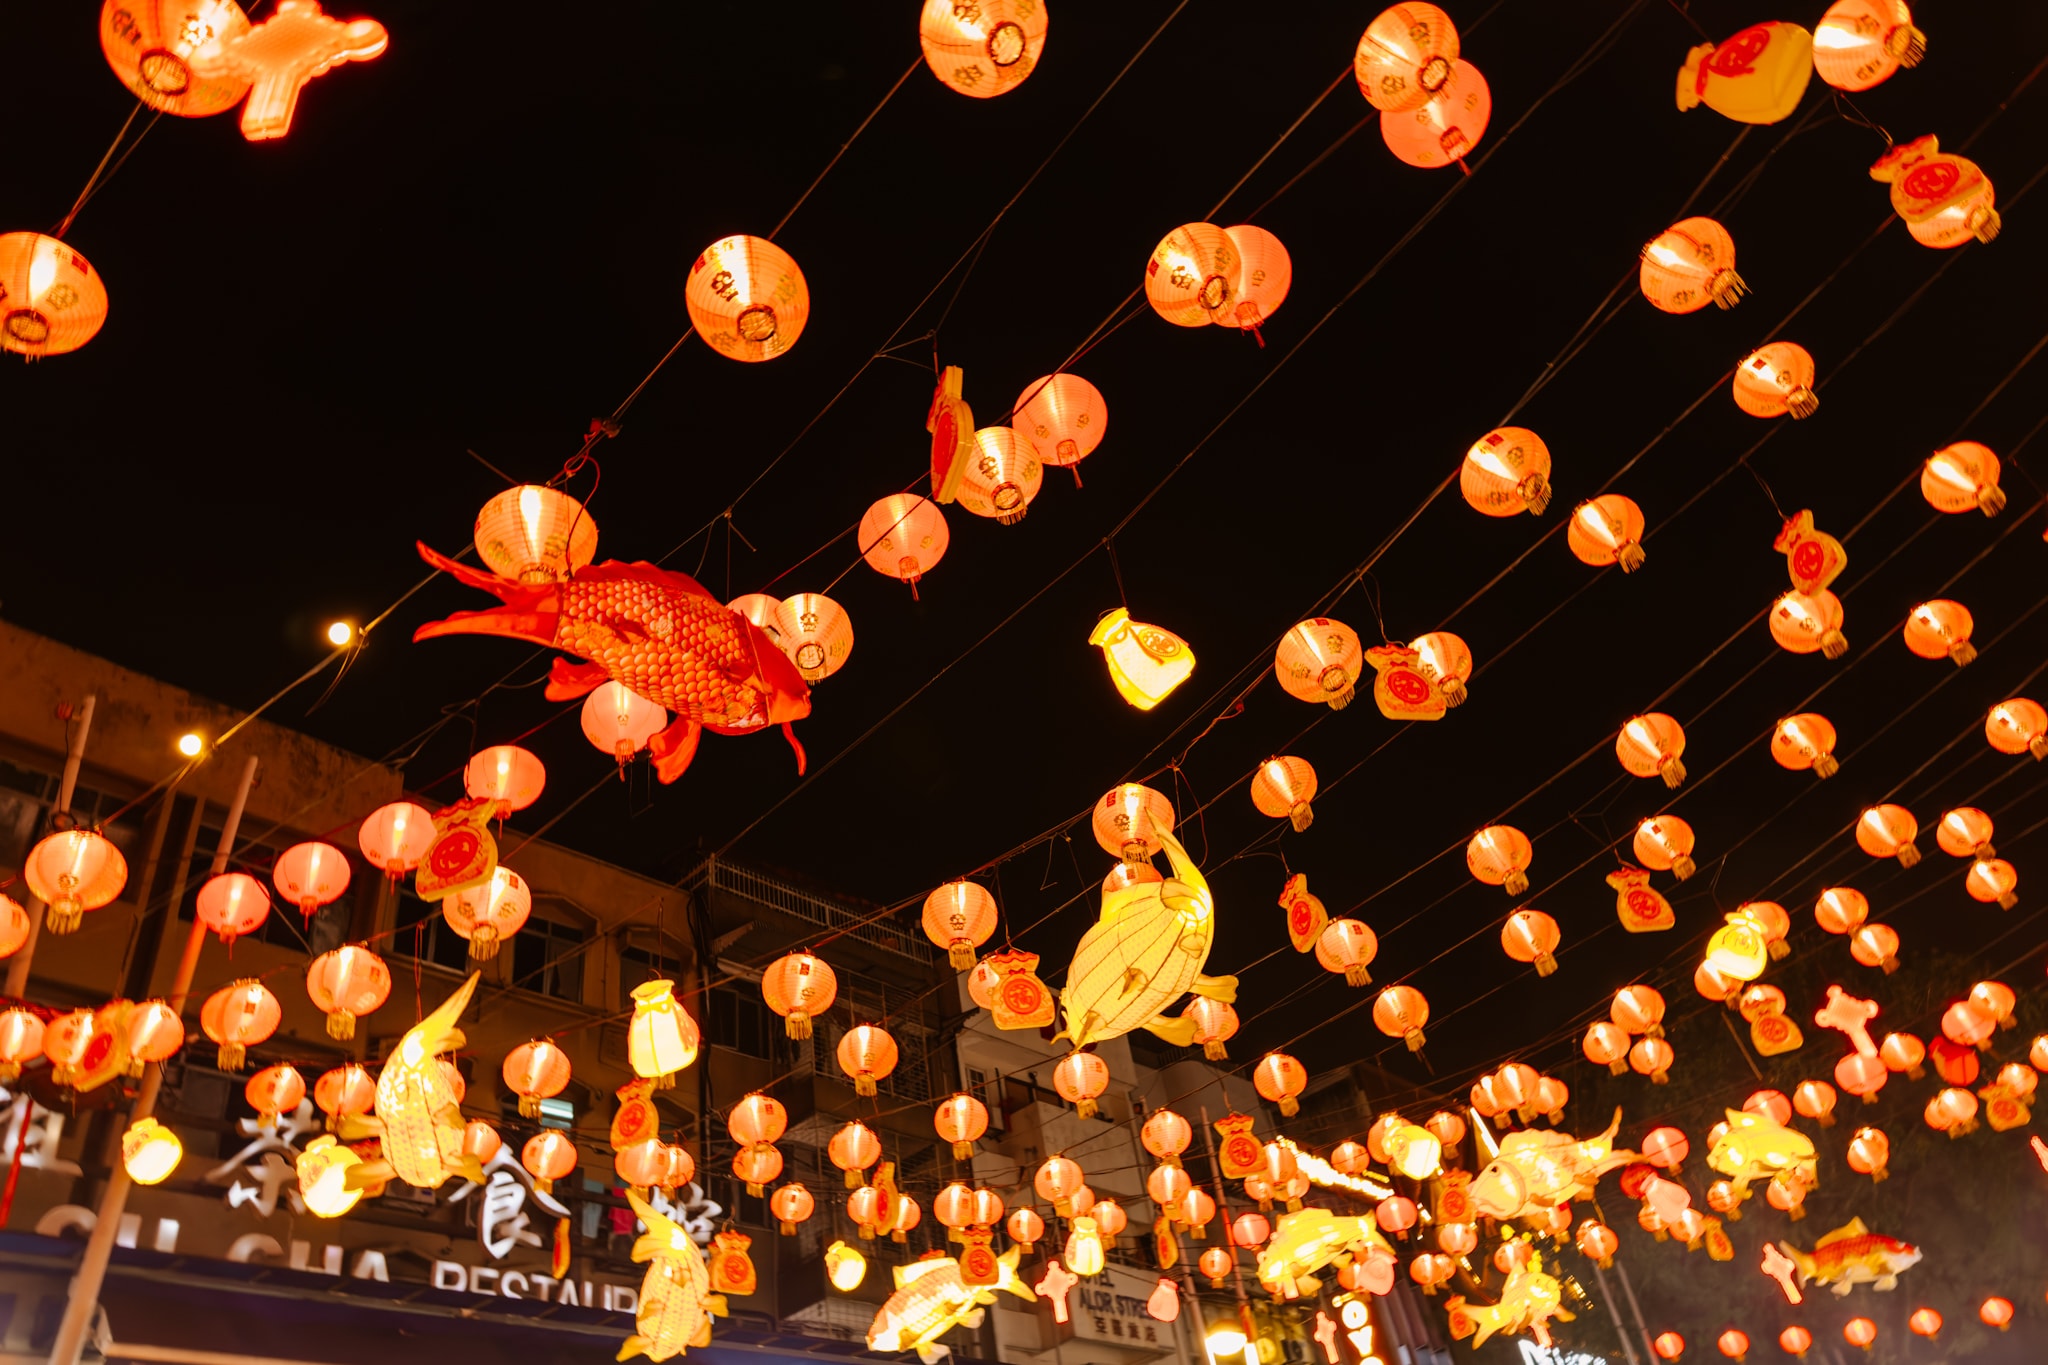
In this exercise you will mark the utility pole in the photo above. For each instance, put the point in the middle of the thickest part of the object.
(74, 755)
(99, 1248)
(1244, 1303)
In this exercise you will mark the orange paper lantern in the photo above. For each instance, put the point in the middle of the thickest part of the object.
(1941, 627)
(867, 1054)
(1607, 530)
(1506, 472)
(535, 1071)
(1279, 1078)
(1776, 380)
(2018, 726)
(746, 298)
(1531, 936)
(1320, 660)
(903, 536)
(1860, 43)
(232, 904)
(238, 1017)
(345, 983)
(1282, 788)
(51, 299)
(1888, 831)
(507, 774)
(1400, 1012)
(1962, 477)
(983, 49)
(959, 917)
(1499, 855)
(799, 986)
(74, 871)
(310, 875)
(1689, 265)
(1651, 746)
(1805, 741)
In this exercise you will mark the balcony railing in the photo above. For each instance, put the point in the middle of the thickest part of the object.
(739, 881)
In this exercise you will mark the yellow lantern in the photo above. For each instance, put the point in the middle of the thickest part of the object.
(323, 1177)
(150, 1152)
(1084, 1248)
(662, 1039)
(1145, 662)
(1414, 1151)
(845, 1267)
(1739, 949)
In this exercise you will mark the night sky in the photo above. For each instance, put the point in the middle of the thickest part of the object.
(478, 243)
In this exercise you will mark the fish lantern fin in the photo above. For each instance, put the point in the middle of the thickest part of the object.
(468, 1167)
(368, 1175)
(674, 747)
(500, 588)
(1218, 988)
(437, 1032)
(974, 1317)
(567, 681)
(640, 571)
(356, 1127)
(532, 612)
(648, 1245)
(635, 1345)
(1178, 1029)
(789, 733)
(715, 1304)
(931, 1353)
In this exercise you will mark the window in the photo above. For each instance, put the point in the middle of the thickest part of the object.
(741, 1021)
(422, 932)
(646, 962)
(548, 958)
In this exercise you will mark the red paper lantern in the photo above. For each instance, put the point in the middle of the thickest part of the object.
(746, 298)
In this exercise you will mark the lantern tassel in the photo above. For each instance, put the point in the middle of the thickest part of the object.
(484, 943)
(1545, 964)
(341, 1025)
(1454, 691)
(1357, 975)
(665, 1081)
(63, 917)
(1289, 1106)
(1826, 766)
(853, 1180)
(754, 1190)
(10, 1071)
(1084, 1108)
(963, 1150)
(961, 955)
(788, 1229)
(863, 1084)
(797, 1025)
(543, 1186)
(1215, 1051)
(529, 1106)
(898, 1237)
(1301, 817)
(1909, 855)
(1414, 1038)
(230, 1056)
(1672, 771)
(1516, 884)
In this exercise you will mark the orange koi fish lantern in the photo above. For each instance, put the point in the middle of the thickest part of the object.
(1757, 76)
(1962, 477)
(345, 983)
(1320, 660)
(310, 875)
(1607, 530)
(983, 49)
(1775, 381)
(51, 300)
(1444, 128)
(1944, 200)
(1861, 43)
(73, 871)
(1689, 265)
(903, 536)
(1145, 662)
(710, 664)
(1282, 788)
(1506, 472)
(799, 987)
(746, 298)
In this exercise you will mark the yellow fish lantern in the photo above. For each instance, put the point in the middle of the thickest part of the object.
(675, 1298)
(1145, 662)
(1755, 1147)
(1757, 76)
(931, 1299)
(419, 1115)
(1528, 1301)
(1539, 1169)
(1305, 1241)
(1146, 950)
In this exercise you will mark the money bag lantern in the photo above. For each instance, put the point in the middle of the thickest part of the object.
(1306, 918)
(1642, 907)
(732, 1270)
(1020, 1000)
(1757, 76)
(1401, 687)
(1944, 200)
(1813, 558)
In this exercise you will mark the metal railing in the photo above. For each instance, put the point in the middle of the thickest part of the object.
(739, 881)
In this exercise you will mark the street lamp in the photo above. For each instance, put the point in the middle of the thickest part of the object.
(1229, 1345)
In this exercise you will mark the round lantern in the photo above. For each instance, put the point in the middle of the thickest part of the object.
(1499, 855)
(1531, 936)
(791, 1204)
(1859, 1332)
(1965, 832)
(1861, 1076)
(233, 904)
(799, 986)
(1448, 1128)
(619, 721)
(1995, 1312)
(1414, 1152)
(1597, 1242)
(1197, 1208)
(1282, 788)
(548, 1156)
(1002, 477)
(1761, 1002)
(155, 1033)
(1405, 56)
(867, 1054)
(536, 1071)
(1607, 530)
(487, 915)
(1903, 1052)
(344, 1091)
(1876, 945)
(310, 875)
(1962, 477)
(1215, 1024)
(346, 982)
(1795, 1341)
(1859, 43)
(1803, 622)
(1815, 1100)
(1057, 1181)
(953, 1206)
(1650, 746)
(986, 48)
(815, 632)
(1081, 1077)
(959, 917)
(1993, 881)
(1264, 274)
(1128, 821)
(1063, 416)
(984, 979)
(757, 1119)
(1447, 126)
(1941, 627)
(273, 1091)
(643, 1164)
(1446, 660)
(1400, 1012)
(960, 1120)
(1194, 276)
(1166, 1135)
(2018, 726)
(21, 1041)
(151, 46)
(903, 536)
(1666, 1149)
(1396, 1214)
(1431, 1269)
(1689, 265)
(1250, 1231)
(74, 870)
(1607, 1044)
(535, 534)
(1945, 200)
(1279, 1079)
(1215, 1263)
(1772, 922)
(1652, 1057)
(1110, 1218)
(1888, 831)
(747, 298)
(1457, 1239)
(1776, 380)
(1320, 660)
(1664, 843)
(1669, 1345)
(853, 1149)
(1349, 1157)
(1968, 1024)
(1639, 1009)
(51, 300)
(1996, 999)
(238, 1017)
(756, 1166)
(1347, 946)
(1841, 909)
(1025, 1227)
(508, 775)
(396, 837)
(14, 927)
(1506, 472)
(1733, 1344)
(1806, 741)
(1166, 1186)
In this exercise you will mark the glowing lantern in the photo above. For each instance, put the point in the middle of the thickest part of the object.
(1804, 622)
(1787, 1195)
(1265, 272)
(747, 298)
(1861, 1076)
(1772, 921)
(1320, 660)
(1405, 56)
(1996, 999)
(1995, 1312)
(1128, 821)
(1652, 1057)
(1597, 1242)
(1499, 855)
(1400, 1012)
(619, 721)
(1607, 530)
(232, 904)
(1146, 663)
(508, 774)
(1841, 909)
(682, 1169)
(1775, 380)
(1025, 1227)
(1282, 788)
(548, 1156)
(1347, 946)
(238, 1017)
(1531, 936)
(1860, 43)
(867, 1054)
(1166, 1135)
(1664, 843)
(1650, 746)
(983, 49)
(1110, 1218)
(1215, 1263)
(1197, 1208)
(1250, 1231)
(1606, 1044)
(1689, 265)
(1551, 1097)
(799, 987)
(1279, 1078)
(2018, 726)
(756, 1166)
(1756, 76)
(1962, 477)
(1888, 831)
(1084, 1247)
(984, 979)
(14, 927)
(1506, 472)
(345, 1091)
(73, 871)
(960, 1120)
(1349, 1158)
(1669, 1345)
(1876, 945)
(791, 1204)
(274, 1090)
(155, 1033)
(51, 300)
(642, 1164)
(815, 632)
(1081, 1077)
(536, 1071)
(1057, 1181)
(844, 1266)
(396, 837)
(1737, 949)
(1968, 1024)
(1965, 832)
(1003, 475)
(67, 1043)
(487, 915)
(1063, 416)
(1859, 1332)
(1666, 1149)
(1805, 741)
(1457, 1239)
(757, 1119)
(1166, 1186)
(1944, 200)
(1941, 627)
(903, 536)
(1414, 1152)
(1194, 276)
(853, 1149)
(21, 1041)
(1395, 1214)
(1733, 1344)
(346, 982)
(153, 48)
(661, 1039)
(310, 875)
(959, 917)
(1815, 1100)
(1445, 127)
(1993, 881)
(1795, 1341)
(1215, 1024)
(1953, 1111)
(534, 534)
(1903, 1052)
(1639, 1009)
(150, 1152)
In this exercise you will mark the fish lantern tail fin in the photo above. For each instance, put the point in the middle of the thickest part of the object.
(357, 1127)
(567, 681)
(1219, 988)
(437, 1031)
(789, 733)
(1012, 1281)
(715, 1304)
(368, 1175)
(469, 1168)
(635, 1345)
(674, 747)
(1178, 1030)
